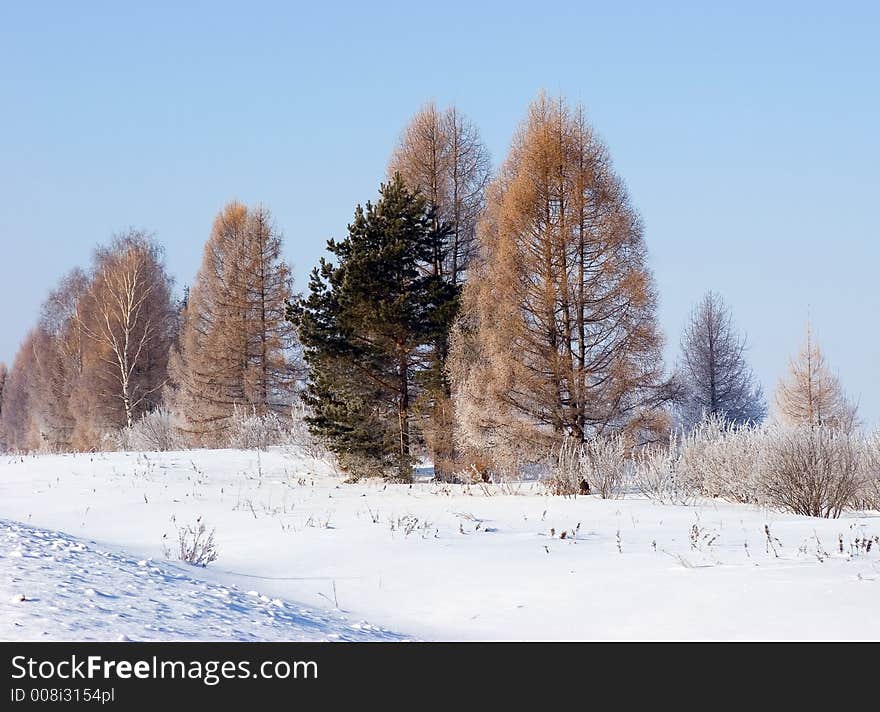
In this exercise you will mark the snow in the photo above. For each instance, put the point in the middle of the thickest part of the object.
(429, 561)
(78, 591)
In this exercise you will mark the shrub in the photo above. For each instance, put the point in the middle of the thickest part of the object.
(155, 431)
(606, 464)
(252, 431)
(196, 544)
(723, 460)
(565, 467)
(660, 475)
(599, 466)
(817, 471)
(249, 430)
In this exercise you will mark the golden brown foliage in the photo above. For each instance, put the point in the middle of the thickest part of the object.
(441, 154)
(811, 394)
(236, 348)
(558, 333)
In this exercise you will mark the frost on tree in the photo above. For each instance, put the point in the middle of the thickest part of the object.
(236, 352)
(810, 394)
(713, 373)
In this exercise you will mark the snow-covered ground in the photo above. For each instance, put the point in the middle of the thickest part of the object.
(427, 561)
(77, 591)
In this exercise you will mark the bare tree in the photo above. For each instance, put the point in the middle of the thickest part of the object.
(19, 429)
(126, 317)
(441, 153)
(59, 350)
(236, 350)
(3, 374)
(558, 334)
(811, 394)
(713, 372)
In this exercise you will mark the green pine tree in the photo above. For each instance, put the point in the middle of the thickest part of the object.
(369, 326)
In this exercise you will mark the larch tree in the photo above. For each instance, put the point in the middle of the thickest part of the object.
(126, 317)
(4, 372)
(810, 394)
(236, 348)
(19, 429)
(713, 373)
(368, 326)
(59, 350)
(558, 333)
(441, 154)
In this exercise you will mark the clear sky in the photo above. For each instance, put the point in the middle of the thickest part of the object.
(749, 137)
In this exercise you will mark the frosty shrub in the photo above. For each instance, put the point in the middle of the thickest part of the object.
(606, 463)
(298, 434)
(660, 475)
(817, 471)
(196, 544)
(597, 466)
(155, 431)
(724, 460)
(249, 430)
(566, 467)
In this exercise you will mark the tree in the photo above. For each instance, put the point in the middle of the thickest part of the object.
(3, 374)
(126, 317)
(713, 372)
(558, 333)
(236, 348)
(18, 427)
(59, 356)
(367, 327)
(441, 154)
(811, 395)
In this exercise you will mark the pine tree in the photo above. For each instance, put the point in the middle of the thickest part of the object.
(811, 394)
(236, 349)
(713, 371)
(367, 327)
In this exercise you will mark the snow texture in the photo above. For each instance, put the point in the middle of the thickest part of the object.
(430, 561)
(67, 589)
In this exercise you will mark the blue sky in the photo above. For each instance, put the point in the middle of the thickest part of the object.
(747, 135)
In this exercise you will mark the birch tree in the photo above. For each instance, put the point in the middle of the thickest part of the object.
(126, 317)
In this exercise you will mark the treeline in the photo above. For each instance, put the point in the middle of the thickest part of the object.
(480, 318)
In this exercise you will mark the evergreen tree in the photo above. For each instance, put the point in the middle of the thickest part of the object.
(368, 326)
